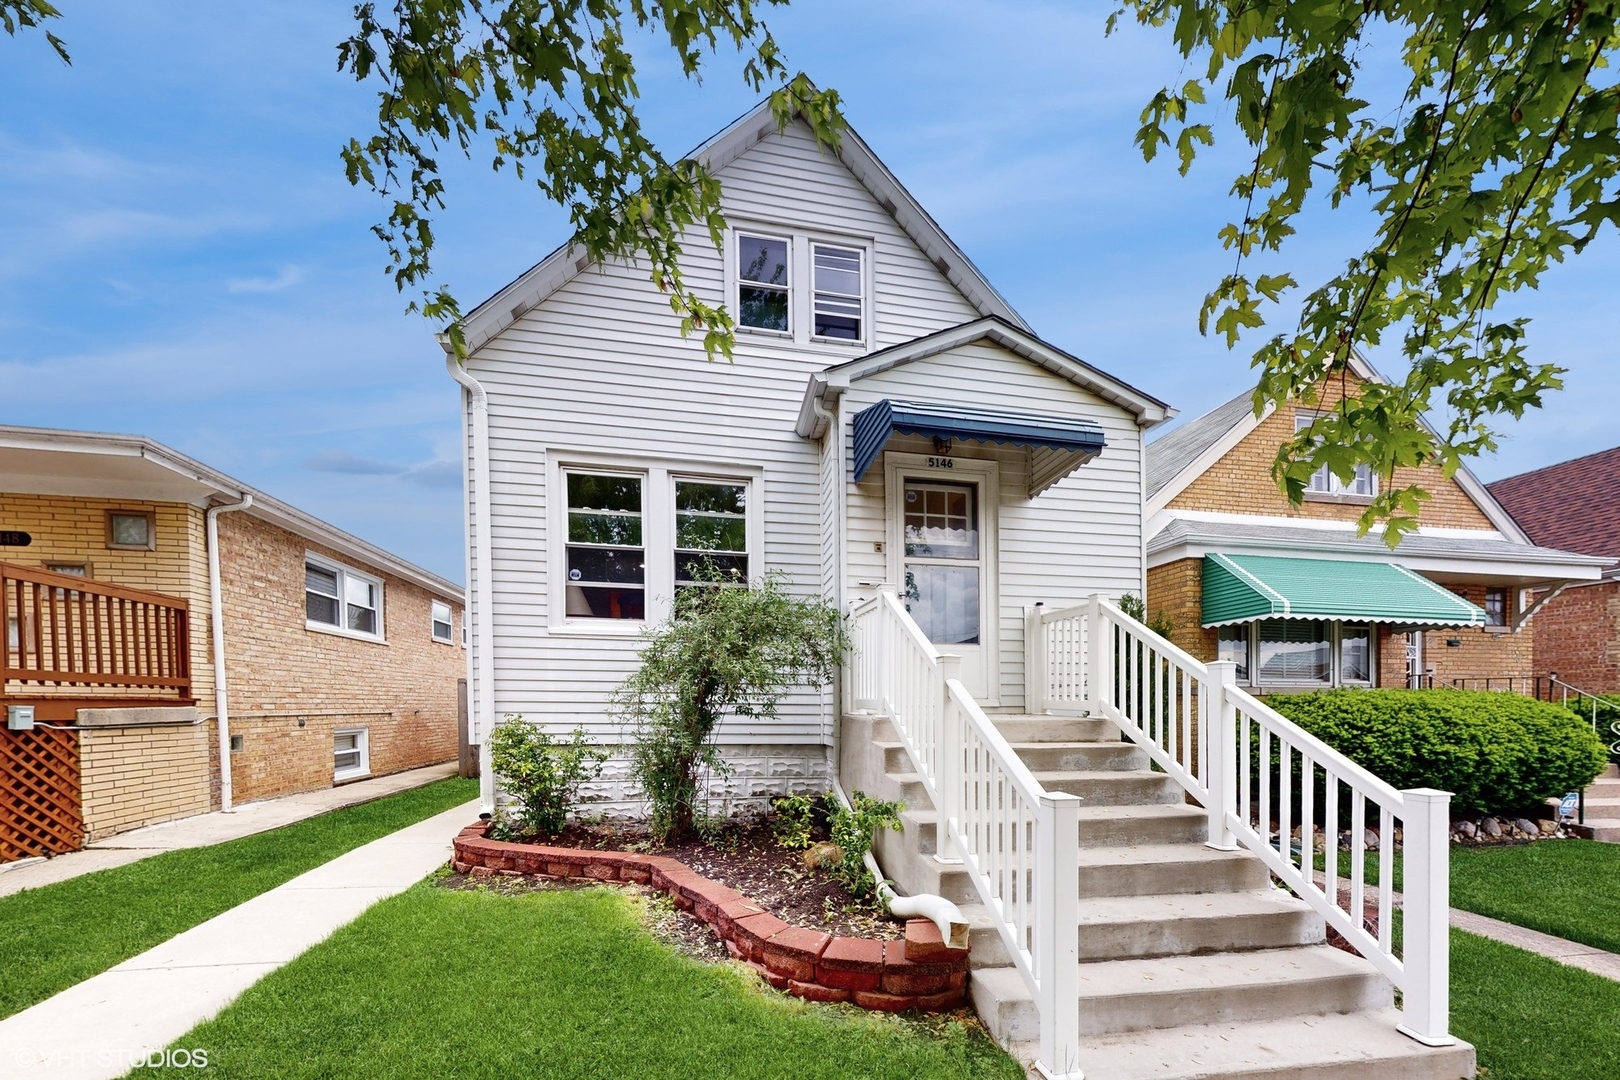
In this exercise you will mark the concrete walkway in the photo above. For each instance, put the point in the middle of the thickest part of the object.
(202, 830)
(100, 1028)
(1597, 961)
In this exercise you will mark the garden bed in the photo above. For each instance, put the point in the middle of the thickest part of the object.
(916, 971)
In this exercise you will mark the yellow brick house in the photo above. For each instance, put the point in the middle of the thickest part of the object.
(134, 582)
(1299, 601)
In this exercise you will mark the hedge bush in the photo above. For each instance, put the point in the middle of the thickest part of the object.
(1495, 752)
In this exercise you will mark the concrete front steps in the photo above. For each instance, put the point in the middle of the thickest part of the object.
(1603, 808)
(1192, 963)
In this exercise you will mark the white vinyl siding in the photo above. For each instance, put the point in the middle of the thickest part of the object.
(600, 369)
(1082, 535)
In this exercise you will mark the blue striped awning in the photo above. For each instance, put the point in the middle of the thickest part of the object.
(1076, 441)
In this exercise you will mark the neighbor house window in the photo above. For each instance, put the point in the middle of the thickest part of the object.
(131, 530)
(1234, 646)
(351, 753)
(70, 569)
(607, 557)
(1281, 652)
(443, 629)
(838, 292)
(340, 598)
(762, 282)
(711, 531)
(1496, 606)
(1324, 482)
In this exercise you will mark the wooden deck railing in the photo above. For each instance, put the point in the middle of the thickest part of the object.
(67, 631)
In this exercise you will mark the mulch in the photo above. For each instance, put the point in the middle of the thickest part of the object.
(746, 856)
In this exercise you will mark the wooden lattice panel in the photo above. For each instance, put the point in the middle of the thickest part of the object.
(40, 812)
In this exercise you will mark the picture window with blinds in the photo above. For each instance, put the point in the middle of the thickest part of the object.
(711, 532)
(607, 556)
(1299, 652)
(339, 598)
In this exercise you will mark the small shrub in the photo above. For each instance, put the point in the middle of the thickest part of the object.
(1161, 623)
(1495, 752)
(727, 649)
(795, 818)
(853, 830)
(544, 775)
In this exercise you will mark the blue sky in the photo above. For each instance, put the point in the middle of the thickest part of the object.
(181, 257)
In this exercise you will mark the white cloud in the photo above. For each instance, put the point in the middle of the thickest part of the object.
(286, 279)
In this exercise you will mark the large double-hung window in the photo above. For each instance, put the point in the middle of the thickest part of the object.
(636, 538)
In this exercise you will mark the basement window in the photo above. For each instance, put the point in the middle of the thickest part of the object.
(351, 753)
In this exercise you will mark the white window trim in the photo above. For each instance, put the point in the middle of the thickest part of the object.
(657, 531)
(801, 300)
(362, 743)
(1335, 489)
(449, 618)
(342, 571)
(1335, 646)
(734, 281)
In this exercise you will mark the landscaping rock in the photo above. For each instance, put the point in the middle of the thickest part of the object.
(1548, 828)
(823, 856)
(1526, 826)
(1490, 828)
(1466, 830)
(1369, 839)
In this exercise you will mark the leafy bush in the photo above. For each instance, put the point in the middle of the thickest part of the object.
(853, 829)
(795, 818)
(1161, 623)
(726, 649)
(1606, 716)
(545, 775)
(1495, 752)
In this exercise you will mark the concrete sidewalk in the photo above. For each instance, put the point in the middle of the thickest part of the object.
(203, 830)
(102, 1027)
(1597, 961)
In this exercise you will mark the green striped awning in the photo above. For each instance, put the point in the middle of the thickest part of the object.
(1245, 588)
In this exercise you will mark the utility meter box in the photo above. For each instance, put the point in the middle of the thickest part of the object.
(19, 718)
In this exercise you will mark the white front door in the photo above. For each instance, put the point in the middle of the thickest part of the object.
(944, 541)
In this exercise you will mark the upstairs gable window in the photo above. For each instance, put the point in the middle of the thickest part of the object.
(1324, 482)
(762, 282)
(838, 300)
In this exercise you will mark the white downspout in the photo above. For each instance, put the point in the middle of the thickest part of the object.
(835, 435)
(216, 622)
(478, 590)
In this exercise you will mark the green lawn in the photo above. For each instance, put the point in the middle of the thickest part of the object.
(62, 934)
(444, 984)
(1531, 1018)
(1569, 888)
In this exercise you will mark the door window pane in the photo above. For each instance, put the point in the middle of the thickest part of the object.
(606, 560)
(1295, 650)
(1496, 606)
(1355, 654)
(941, 521)
(944, 600)
(1234, 646)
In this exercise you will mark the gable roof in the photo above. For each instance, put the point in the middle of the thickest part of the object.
(534, 285)
(1574, 505)
(1169, 486)
(1170, 455)
(834, 380)
(52, 461)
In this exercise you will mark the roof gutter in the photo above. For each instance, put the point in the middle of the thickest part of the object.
(481, 661)
(216, 616)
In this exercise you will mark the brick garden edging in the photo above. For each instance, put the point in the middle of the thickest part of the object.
(893, 976)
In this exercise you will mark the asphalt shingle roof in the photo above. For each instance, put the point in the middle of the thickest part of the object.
(1574, 505)
(1306, 540)
(1168, 455)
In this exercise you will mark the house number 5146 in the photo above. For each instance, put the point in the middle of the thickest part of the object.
(941, 463)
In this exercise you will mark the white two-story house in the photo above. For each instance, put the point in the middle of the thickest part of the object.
(893, 437)
(887, 417)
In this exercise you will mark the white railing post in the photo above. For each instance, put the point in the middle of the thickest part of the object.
(1096, 651)
(1218, 720)
(1057, 933)
(1036, 667)
(952, 740)
(891, 657)
(1426, 911)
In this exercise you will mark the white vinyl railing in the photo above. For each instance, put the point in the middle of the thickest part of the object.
(1018, 843)
(1262, 779)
